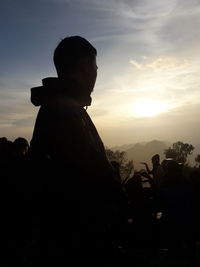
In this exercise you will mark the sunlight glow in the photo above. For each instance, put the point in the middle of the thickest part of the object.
(149, 107)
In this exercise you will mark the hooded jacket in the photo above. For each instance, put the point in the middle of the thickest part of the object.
(82, 197)
(63, 130)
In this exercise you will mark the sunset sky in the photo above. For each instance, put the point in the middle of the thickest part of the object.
(148, 84)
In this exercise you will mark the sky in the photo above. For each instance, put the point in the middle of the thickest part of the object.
(148, 65)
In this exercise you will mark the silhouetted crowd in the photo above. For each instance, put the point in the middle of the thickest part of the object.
(153, 217)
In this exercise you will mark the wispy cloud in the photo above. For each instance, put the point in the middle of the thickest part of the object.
(162, 63)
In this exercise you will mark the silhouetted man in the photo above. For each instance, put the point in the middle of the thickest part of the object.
(79, 192)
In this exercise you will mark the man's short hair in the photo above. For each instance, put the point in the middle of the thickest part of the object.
(69, 52)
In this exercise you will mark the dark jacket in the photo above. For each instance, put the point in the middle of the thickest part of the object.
(64, 131)
(65, 134)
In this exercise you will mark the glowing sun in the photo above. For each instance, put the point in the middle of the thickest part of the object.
(149, 107)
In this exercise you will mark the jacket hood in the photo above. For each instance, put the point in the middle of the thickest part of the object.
(53, 88)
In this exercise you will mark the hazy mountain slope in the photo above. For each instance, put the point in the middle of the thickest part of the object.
(143, 151)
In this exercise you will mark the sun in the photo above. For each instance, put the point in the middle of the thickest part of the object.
(149, 107)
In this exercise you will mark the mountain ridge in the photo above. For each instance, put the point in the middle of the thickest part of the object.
(143, 152)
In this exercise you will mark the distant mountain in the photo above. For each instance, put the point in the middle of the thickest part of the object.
(122, 148)
(143, 152)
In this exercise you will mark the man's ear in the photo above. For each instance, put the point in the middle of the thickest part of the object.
(79, 69)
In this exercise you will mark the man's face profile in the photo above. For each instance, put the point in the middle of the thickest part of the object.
(91, 73)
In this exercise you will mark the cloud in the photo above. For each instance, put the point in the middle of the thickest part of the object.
(187, 7)
(24, 122)
(180, 31)
(161, 63)
(130, 8)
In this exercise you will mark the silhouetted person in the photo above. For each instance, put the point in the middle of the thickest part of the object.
(21, 148)
(194, 179)
(79, 195)
(6, 150)
(155, 163)
(15, 194)
(157, 171)
(176, 201)
(141, 212)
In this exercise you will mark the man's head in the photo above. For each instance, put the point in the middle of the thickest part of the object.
(75, 59)
(70, 51)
